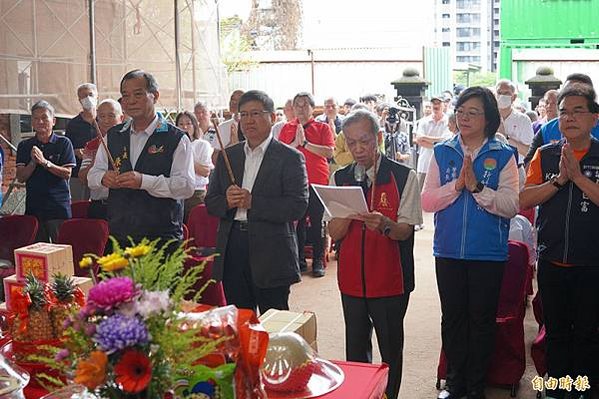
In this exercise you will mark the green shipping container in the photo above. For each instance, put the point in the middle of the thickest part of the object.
(546, 24)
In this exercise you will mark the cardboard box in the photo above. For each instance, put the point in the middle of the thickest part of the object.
(285, 321)
(43, 260)
(12, 283)
(85, 283)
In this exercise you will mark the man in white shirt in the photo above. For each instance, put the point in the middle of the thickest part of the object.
(289, 116)
(154, 168)
(431, 130)
(515, 126)
(257, 210)
(230, 132)
(110, 114)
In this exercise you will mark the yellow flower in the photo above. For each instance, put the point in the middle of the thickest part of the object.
(92, 372)
(137, 251)
(113, 262)
(86, 262)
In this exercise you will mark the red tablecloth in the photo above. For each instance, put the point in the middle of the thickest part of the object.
(362, 381)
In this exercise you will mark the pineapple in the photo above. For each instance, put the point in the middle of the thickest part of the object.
(63, 288)
(39, 326)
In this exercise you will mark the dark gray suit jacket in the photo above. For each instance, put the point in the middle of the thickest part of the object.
(279, 197)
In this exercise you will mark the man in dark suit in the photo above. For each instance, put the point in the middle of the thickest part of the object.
(256, 241)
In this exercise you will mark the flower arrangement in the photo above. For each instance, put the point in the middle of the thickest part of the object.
(128, 341)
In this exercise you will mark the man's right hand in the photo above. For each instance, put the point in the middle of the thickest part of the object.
(235, 196)
(109, 179)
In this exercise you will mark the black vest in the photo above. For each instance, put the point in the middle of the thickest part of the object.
(136, 213)
(568, 222)
(345, 177)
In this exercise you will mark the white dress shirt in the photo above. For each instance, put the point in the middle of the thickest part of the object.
(202, 154)
(428, 127)
(253, 160)
(180, 184)
(519, 127)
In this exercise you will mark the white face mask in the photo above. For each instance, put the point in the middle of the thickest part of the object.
(88, 103)
(504, 101)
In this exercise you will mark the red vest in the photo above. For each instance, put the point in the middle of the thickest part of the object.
(369, 263)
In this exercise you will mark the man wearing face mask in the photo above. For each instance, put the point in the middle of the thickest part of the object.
(376, 259)
(80, 130)
(515, 126)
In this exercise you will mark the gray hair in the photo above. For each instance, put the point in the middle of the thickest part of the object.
(362, 115)
(89, 86)
(200, 104)
(43, 104)
(358, 106)
(115, 104)
(507, 82)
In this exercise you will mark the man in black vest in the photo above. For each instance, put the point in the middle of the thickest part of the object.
(155, 168)
(563, 180)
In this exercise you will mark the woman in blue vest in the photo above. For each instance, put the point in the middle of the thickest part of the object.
(472, 186)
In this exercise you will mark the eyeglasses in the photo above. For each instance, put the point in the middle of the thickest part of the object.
(574, 114)
(253, 114)
(460, 113)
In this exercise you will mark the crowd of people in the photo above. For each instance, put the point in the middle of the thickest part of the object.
(481, 160)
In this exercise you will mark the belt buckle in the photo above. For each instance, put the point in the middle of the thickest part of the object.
(241, 225)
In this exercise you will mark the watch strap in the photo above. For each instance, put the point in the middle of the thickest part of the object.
(555, 183)
(479, 187)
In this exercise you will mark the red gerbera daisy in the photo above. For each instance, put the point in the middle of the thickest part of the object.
(133, 371)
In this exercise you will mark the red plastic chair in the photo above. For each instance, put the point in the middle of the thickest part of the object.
(509, 357)
(79, 209)
(16, 231)
(203, 230)
(85, 236)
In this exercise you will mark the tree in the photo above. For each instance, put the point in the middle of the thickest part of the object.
(235, 46)
(484, 79)
(274, 24)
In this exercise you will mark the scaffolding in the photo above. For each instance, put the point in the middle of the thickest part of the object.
(49, 47)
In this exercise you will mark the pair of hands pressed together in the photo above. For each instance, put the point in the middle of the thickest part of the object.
(238, 197)
(37, 155)
(569, 167)
(467, 178)
(115, 180)
(300, 136)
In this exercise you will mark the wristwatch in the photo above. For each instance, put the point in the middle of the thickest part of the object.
(387, 229)
(555, 183)
(47, 164)
(479, 187)
(305, 143)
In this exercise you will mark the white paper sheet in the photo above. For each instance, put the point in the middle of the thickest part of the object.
(341, 202)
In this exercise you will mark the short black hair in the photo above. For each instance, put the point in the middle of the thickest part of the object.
(581, 78)
(151, 83)
(350, 102)
(369, 97)
(307, 95)
(580, 90)
(43, 104)
(257, 95)
(492, 117)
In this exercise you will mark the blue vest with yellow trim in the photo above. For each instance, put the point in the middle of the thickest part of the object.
(465, 230)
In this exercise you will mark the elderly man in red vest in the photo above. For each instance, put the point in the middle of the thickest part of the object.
(376, 261)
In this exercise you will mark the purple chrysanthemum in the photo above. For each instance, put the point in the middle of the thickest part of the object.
(111, 292)
(118, 332)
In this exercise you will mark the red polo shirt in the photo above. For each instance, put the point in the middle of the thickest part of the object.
(316, 133)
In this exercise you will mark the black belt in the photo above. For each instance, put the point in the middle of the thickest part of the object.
(101, 201)
(240, 225)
